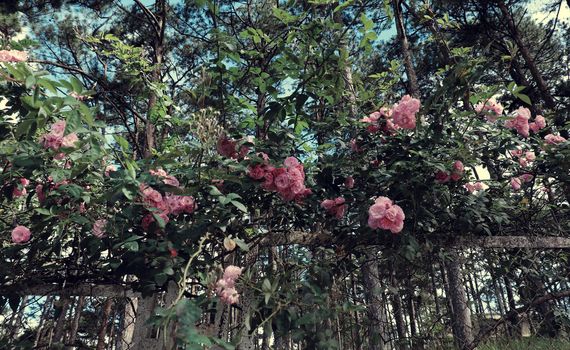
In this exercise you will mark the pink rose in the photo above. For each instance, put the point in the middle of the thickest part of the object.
(516, 183)
(99, 228)
(13, 56)
(349, 182)
(492, 109)
(554, 139)
(291, 162)
(40, 193)
(540, 121)
(404, 113)
(148, 219)
(472, 187)
(50, 141)
(526, 177)
(442, 177)
(229, 296)
(519, 122)
(386, 215)
(232, 273)
(282, 181)
(20, 189)
(69, 140)
(58, 128)
(226, 147)
(458, 166)
(335, 207)
(21, 234)
(256, 172)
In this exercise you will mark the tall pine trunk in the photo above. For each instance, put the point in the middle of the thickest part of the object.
(413, 86)
(373, 293)
(461, 315)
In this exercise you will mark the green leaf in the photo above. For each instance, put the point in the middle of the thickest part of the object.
(343, 6)
(241, 244)
(240, 206)
(30, 81)
(214, 191)
(76, 84)
(523, 98)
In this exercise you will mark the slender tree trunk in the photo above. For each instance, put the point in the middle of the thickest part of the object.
(104, 323)
(346, 68)
(75, 322)
(356, 327)
(373, 292)
(158, 44)
(461, 316)
(413, 86)
(46, 308)
(59, 330)
(531, 64)
(399, 318)
(17, 316)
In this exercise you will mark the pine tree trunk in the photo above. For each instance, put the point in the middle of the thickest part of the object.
(346, 68)
(104, 323)
(60, 324)
(413, 86)
(399, 318)
(531, 64)
(46, 308)
(461, 316)
(373, 293)
(75, 322)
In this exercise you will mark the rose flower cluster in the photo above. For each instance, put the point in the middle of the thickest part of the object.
(167, 205)
(288, 181)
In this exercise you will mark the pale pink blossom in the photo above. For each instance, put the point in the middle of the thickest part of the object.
(229, 296)
(539, 123)
(69, 140)
(516, 183)
(180, 204)
(404, 113)
(58, 128)
(491, 108)
(21, 234)
(287, 181)
(472, 187)
(386, 215)
(225, 286)
(20, 189)
(77, 96)
(552, 139)
(335, 207)
(519, 121)
(99, 228)
(232, 273)
(526, 177)
(13, 56)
